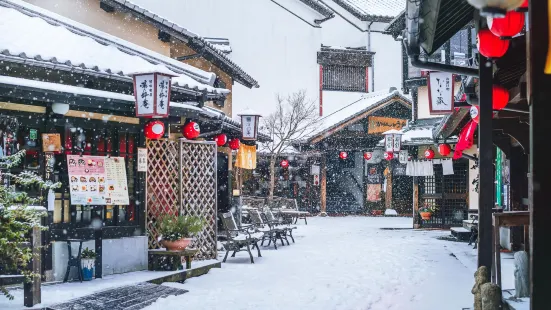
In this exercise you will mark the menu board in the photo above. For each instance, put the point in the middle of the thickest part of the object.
(97, 180)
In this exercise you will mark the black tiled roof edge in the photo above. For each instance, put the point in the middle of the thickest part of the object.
(361, 16)
(194, 40)
(397, 25)
(320, 8)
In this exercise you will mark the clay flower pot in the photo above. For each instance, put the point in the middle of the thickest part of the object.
(178, 245)
(425, 215)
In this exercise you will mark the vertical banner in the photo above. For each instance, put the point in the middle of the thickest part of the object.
(246, 157)
(499, 179)
(373, 192)
(142, 159)
(441, 97)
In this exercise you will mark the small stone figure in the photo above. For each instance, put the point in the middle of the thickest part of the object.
(522, 275)
(481, 276)
(491, 296)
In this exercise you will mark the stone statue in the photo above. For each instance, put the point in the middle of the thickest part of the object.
(481, 276)
(522, 275)
(491, 296)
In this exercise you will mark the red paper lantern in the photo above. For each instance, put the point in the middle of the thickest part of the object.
(221, 139)
(368, 155)
(234, 144)
(490, 45)
(191, 130)
(429, 154)
(284, 163)
(500, 97)
(388, 155)
(508, 26)
(444, 149)
(343, 155)
(523, 7)
(154, 130)
(475, 113)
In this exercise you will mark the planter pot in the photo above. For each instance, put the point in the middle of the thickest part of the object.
(178, 245)
(425, 215)
(88, 268)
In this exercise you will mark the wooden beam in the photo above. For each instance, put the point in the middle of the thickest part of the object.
(416, 222)
(323, 190)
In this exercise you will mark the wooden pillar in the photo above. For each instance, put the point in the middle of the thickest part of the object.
(32, 290)
(539, 92)
(323, 190)
(388, 194)
(416, 222)
(486, 165)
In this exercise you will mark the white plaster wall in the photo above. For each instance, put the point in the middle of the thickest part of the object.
(119, 256)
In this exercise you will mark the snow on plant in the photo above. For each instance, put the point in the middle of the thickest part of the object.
(16, 220)
(173, 228)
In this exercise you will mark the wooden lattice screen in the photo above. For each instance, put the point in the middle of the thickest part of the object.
(181, 178)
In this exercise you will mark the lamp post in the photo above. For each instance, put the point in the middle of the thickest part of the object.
(249, 124)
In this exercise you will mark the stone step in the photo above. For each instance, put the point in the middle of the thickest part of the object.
(461, 233)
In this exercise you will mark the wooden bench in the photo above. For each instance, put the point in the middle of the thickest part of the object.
(173, 259)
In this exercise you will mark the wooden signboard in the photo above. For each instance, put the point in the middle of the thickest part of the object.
(378, 124)
(51, 142)
(441, 92)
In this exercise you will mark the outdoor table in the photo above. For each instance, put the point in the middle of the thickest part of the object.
(507, 219)
(74, 261)
(174, 256)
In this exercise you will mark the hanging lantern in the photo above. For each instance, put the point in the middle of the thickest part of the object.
(152, 93)
(429, 154)
(523, 7)
(368, 155)
(489, 45)
(154, 130)
(249, 124)
(388, 155)
(393, 140)
(495, 8)
(444, 149)
(234, 144)
(475, 113)
(500, 97)
(343, 155)
(284, 163)
(508, 26)
(191, 130)
(221, 139)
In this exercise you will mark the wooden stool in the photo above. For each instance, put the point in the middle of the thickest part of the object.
(172, 258)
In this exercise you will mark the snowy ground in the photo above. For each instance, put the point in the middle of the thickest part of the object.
(340, 263)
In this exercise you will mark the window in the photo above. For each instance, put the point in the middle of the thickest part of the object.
(344, 78)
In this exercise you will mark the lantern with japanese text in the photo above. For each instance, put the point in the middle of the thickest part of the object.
(393, 140)
(444, 149)
(234, 144)
(221, 139)
(500, 97)
(152, 93)
(284, 163)
(191, 130)
(154, 130)
(507, 27)
(475, 113)
(343, 155)
(496, 8)
(249, 124)
(429, 154)
(368, 155)
(490, 45)
(388, 155)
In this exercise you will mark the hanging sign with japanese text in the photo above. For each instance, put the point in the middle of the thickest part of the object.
(152, 94)
(397, 144)
(249, 127)
(441, 93)
(389, 143)
(97, 180)
(403, 157)
(374, 175)
(142, 159)
(378, 124)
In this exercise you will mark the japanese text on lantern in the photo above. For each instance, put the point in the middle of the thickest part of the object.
(162, 94)
(144, 85)
(441, 97)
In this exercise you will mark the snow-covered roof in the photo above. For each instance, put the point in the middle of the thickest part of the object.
(221, 44)
(420, 132)
(319, 7)
(364, 104)
(207, 49)
(31, 34)
(384, 10)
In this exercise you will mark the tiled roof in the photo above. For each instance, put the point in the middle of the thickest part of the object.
(39, 37)
(319, 7)
(210, 52)
(373, 10)
(221, 44)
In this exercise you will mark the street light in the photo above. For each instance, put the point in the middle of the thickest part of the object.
(249, 124)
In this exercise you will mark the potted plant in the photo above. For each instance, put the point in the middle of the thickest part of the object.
(426, 212)
(177, 231)
(88, 263)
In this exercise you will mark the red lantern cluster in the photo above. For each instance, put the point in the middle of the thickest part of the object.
(500, 97)
(490, 45)
(444, 149)
(191, 130)
(368, 155)
(429, 154)
(234, 144)
(221, 139)
(343, 155)
(508, 26)
(154, 130)
(388, 155)
(284, 163)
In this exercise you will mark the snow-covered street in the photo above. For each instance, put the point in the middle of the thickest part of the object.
(338, 263)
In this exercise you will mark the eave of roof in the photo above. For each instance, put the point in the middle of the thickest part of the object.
(362, 15)
(319, 7)
(198, 43)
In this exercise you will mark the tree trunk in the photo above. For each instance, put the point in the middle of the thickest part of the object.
(272, 178)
